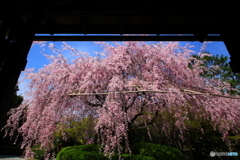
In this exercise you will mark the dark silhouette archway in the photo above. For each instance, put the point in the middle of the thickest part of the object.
(23, 19)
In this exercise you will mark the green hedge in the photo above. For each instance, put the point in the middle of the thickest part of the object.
(81, 152)
(76, 155)
(91, 152)
(141, 151)
(79, 148)
(132, 157)
(157, 151)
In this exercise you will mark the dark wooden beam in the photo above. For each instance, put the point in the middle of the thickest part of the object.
(153, 5)
(128, 29)
(123, 38)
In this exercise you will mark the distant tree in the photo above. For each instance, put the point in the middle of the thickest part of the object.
(217, 67)
(15, 101)
(76, 131)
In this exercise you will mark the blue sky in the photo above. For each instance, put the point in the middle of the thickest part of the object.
(37, 60)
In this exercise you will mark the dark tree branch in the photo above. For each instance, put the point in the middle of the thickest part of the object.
(135, 117)
(92, 104)
(100, 98)
(140, 113)
(149, 123)
(134, 98)
(124, 103)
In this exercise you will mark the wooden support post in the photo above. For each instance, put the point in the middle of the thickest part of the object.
(231, 42)
(14, 51)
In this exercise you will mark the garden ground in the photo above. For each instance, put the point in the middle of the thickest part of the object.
(10, 157)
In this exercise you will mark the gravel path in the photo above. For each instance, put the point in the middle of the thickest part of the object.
(10, 157)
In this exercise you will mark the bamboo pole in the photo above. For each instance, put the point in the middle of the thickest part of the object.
(185, 91)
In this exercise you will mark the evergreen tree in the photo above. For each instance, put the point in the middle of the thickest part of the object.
(16, 100)
(217, 67)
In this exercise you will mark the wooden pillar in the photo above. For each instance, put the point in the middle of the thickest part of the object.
(230, 35)
(15, 39)
(230, 40)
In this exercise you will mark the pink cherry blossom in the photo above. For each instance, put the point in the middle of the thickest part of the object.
(128, 66)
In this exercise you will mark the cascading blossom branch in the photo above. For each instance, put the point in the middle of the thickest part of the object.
(129, 66)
